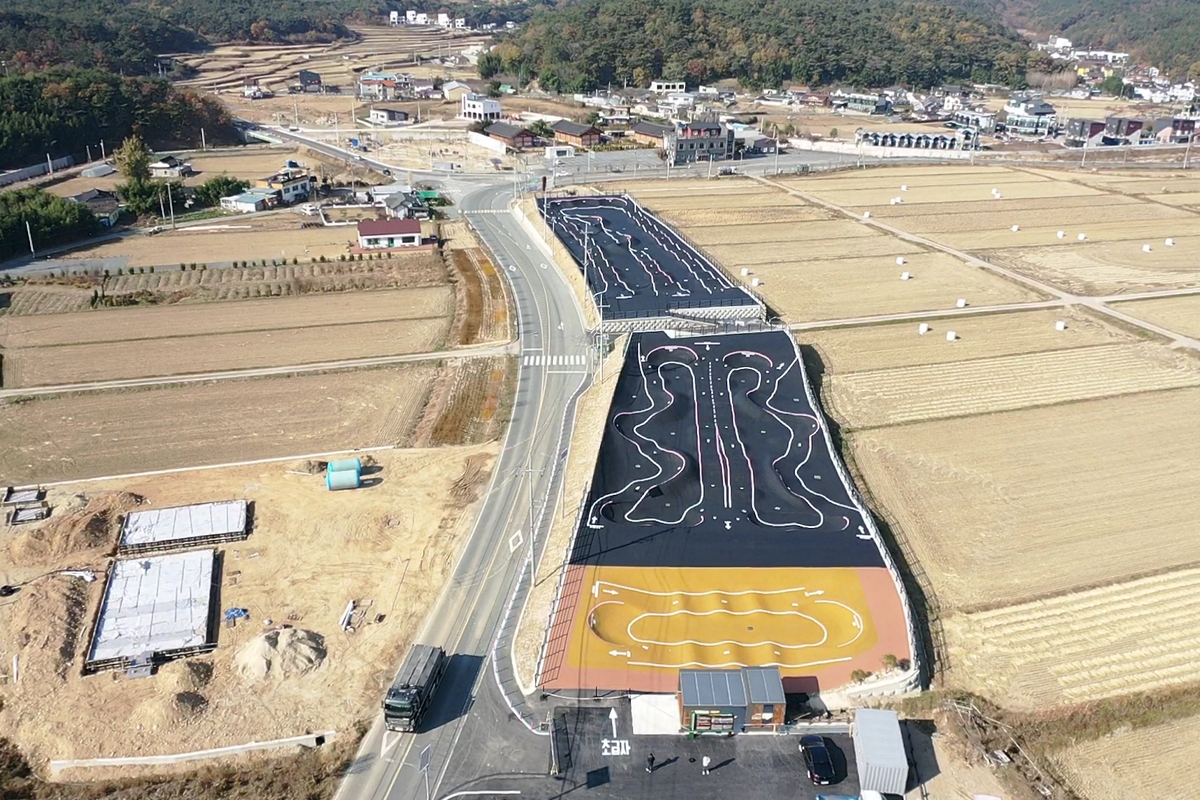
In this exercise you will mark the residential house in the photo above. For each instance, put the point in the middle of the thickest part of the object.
(379, 86)
(1177, 130)
(169, 167)
(380, 115)
(982, 121)
(751, 142)
(1124, 130)
(460, 23)
(815, 99)
(479, 107)
(294, 184)
(577, 134)
(251, 89)
(649, 133)
(406, 206)
(862, 102)
(444, 20)
(250, 201)
(455, 90)
(425, 90)
(374, 234)
(1029, 116)
(309, 81)
(101, 203)
(1084, 132)
(666, 87)
(410, 17)
(702, 141)
(514, 136)
(394, 19)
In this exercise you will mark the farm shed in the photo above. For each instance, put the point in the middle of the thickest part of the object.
(879, 750)
(712, 700)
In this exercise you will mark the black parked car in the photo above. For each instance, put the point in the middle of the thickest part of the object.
(817, 760)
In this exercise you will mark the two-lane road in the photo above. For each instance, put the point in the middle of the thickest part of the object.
(468, 616)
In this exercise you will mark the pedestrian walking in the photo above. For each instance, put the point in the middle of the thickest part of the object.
(650, 763)
(704, 762)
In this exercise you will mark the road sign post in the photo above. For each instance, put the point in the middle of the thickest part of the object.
(426, 758)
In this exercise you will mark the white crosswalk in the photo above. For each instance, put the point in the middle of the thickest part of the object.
(555, 361)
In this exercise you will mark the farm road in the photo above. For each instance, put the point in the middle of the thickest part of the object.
(486, 351)
(1098, 304)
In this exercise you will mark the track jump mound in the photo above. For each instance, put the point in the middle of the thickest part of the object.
(281, 654)
(637, 265)
(715, 456)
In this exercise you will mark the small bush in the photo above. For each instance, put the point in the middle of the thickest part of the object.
(243, 265)
(152, 270)
(859, 675)
(295, 262)
(322, 259)
(119, 272)
(889, 661)
(341, 257)
(193, 265)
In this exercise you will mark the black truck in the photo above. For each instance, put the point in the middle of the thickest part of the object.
(412, 691)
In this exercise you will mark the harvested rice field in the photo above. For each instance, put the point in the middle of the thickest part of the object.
(1004, 507)
(1108, 268)
(1133, 636)
(1136, 764)
(1180, 314)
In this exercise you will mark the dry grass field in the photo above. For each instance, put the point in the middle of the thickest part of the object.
(310, 550)
(171, 340)
(103, 433)
(1180, 314)
(1136, 764)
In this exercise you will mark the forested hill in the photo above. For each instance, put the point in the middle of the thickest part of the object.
(125, 35)
(590, 43)
(1165, 33)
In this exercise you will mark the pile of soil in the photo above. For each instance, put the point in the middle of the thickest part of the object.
(87, 525)
(45, 627)
(281, 654)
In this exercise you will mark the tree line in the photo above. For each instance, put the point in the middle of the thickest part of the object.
(61, 112)
(591, 43)
(127, 35)
(1165, 33)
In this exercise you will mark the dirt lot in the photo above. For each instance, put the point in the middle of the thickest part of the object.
(1142, 764)
(138, 342)
(310, 551)
(1180, 314)
(247, 163)
(106, 433)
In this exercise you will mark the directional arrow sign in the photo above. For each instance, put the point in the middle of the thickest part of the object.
(625, 653)
(612, 716)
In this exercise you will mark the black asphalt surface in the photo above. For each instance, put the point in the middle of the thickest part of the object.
(592, 763)
(713, 456)
(635, 264)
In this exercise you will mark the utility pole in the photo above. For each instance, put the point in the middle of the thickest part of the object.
(49, 164)
(1187, 154)
(171, 201)
(102, 156)
(203, 143)
(29, 232)
(89, 152)
(162, 211)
